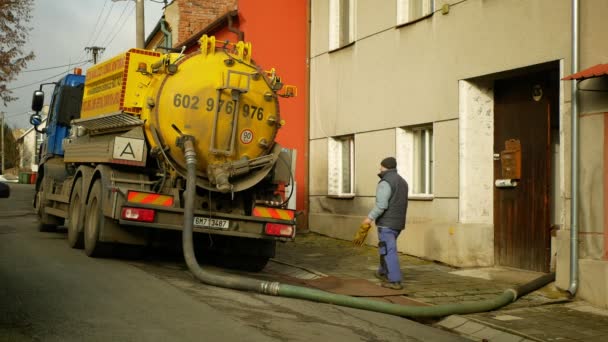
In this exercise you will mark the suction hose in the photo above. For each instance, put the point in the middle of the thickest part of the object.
(283, 290)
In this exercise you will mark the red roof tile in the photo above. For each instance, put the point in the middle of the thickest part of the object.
(594, 71)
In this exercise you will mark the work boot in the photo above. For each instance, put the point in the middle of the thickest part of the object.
(380, 276)
(392, 286)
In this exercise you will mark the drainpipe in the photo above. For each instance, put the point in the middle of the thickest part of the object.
(240, 34)
(168, 35)
(574, 162)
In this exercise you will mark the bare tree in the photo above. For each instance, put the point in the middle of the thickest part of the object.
(11, 150)
(15, 16)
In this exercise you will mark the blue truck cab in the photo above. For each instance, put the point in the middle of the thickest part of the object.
(64, 107)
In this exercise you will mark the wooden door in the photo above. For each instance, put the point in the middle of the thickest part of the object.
(522, 111)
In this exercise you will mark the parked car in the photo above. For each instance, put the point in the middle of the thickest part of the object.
(8, 179)
(5, 190)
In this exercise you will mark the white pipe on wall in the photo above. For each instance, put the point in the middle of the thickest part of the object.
(574, 161)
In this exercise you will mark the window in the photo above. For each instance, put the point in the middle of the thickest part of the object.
(341, 23)
(415, 159)
(341, 166)
(411, 10)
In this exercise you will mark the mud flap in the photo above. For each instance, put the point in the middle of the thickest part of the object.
(112, 232)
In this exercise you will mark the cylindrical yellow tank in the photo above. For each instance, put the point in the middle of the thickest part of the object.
(219, 96)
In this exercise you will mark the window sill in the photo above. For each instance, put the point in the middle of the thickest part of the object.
(421, 197)
(415, 20)
(341, 47)
(342, 196)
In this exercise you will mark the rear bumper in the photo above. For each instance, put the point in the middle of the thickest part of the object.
(239, 225)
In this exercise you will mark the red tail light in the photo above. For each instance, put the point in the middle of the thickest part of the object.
(137, 214)
(276, 229)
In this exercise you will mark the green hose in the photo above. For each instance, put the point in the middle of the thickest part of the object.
(395, 309)
(290, 291)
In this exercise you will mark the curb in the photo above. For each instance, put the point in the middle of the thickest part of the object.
(482, 331)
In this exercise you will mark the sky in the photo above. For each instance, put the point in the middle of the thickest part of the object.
(61, 29)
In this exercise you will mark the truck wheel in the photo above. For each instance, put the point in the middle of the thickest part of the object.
(75, 213)
(46, 222)
(93, 223)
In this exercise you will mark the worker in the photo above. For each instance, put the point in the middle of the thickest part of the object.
(389, 214)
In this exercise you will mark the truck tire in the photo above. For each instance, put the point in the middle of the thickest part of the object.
(93, 223)
(46, 222)
(76, 216)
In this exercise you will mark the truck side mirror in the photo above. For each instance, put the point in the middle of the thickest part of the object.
(37, 100)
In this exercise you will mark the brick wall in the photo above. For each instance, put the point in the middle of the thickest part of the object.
(194, 15)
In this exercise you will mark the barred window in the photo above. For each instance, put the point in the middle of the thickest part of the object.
(415, 157)
(411, 10)
(341, 23)
(341, 166)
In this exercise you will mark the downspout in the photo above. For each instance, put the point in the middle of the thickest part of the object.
(240, 34)
(168, 35)
(574, 161)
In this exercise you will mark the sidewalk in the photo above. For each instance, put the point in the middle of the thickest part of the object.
(544, 315)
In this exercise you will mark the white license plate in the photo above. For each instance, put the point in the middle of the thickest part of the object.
(211, 222)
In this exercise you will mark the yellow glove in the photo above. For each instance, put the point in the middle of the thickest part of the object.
(361, 234)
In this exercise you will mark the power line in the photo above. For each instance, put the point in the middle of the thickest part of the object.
(89, 41)
(116, 27)
(56, 67)
(117, 21)
(46, 79)
(105, 20)
(121, 26)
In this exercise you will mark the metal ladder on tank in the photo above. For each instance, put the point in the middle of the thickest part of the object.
(236, 92)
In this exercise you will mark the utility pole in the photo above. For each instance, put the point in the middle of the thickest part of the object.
(95, 51)
(139, 24)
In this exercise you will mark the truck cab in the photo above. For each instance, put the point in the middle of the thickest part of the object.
(64, 107)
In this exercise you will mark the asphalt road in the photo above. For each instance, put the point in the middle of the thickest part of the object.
(49, 292)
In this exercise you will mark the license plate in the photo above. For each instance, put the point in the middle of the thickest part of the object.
(211, 222)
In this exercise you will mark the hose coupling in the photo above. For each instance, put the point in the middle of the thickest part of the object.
(190, 156)
(270, 288)
(186, 143)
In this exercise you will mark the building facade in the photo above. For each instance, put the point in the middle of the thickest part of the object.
(278, 32)
(469, 97)
(29, 146)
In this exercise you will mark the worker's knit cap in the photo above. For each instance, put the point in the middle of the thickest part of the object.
(389, 163)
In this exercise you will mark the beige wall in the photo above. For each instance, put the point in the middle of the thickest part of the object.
(370, 149)
(446, 159)
(415, 74)
(172, 17)
(409, 75)
(591, 171)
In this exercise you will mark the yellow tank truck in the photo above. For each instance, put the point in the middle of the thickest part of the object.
(116, 172)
